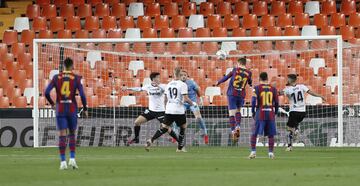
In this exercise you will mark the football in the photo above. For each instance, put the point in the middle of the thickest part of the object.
(221, 54)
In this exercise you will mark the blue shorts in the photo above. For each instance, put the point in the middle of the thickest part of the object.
(264, 127)
(66, 122)
(235, 102)
(191, 108)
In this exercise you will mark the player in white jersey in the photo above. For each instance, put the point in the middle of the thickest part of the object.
(176, 95)
(296, 95)
(156, 109)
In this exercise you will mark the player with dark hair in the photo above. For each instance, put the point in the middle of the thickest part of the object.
(240, 77)
(296, 95)
(193, 93)
(176, 95)
(66, 83)
(156, 109)
(265, 100)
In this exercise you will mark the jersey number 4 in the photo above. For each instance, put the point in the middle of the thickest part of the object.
(65, 89)
(173, 93)
(299, 97)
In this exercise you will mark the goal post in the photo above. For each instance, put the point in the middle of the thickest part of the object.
(107, 65)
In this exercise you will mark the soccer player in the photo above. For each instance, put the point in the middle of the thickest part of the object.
(193, 93)
(156, 109)
(176, 95)
(66, 83)
(240, 77)
(296, 95)
(265, 99)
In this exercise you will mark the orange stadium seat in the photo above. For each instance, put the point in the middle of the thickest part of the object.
(84, 10)
(301, 19)
(328, 7)
(117, 33)
(257, 31)
(102, 9)
(241, 8)
(144, 22)
(82, 34)
(219, 32)
(49, 11)
(161, 21)
(19, 76)
(260, 8)
(39, 23)
(18, 48)
(219, 100)
(118, 10)
(4, 102)
(127, 22)
(193, 47)
(94, 2)
(67, 10)
(93, 101)
(239, 32)
(175, 48)
(77, 2)
(10, 37)
(284, 20)
(73, 23)
(278, 8)
(223, 8)
(292, 31)
(100, 33)
(348, 7)
(207, 8)
(109, 23)
(59, 3)
(267, 21)
(210, 47)
(301, 45)
(264, 46)
(4, 77)
(250, 21)
(295, 7)
(64, 34)
(13, 93)
(246, 45)
(328, 30)
(320, 20)
(185, 32)
(231, 21)
(153, 9)
(27, 37)
(214, 21)
(56, 24)
(178, 22)
(171, 9)
(32, 11)
(354, 20)
(274, 31)
(347, 32)
(167, 33)
(92, 23)
(202, 32)
(337, 20)
(188, 8)
(149, 33)
(3, 50)
(20, 102)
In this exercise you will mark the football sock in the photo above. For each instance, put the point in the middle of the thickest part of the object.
(271, 143)
(202, 125)
(181, 143)
(253, 142)
(290, 138)
(137, 131)
(62, 147)
(232, 123)
(72, 145)
(159, 133)
(173, 135)
(238, 119)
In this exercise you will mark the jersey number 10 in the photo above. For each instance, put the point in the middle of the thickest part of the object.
(267, 98)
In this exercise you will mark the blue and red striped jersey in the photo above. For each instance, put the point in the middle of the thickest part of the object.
(267, 102)
(240, 77)
(66, 83)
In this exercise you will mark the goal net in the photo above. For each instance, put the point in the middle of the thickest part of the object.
(108, 65)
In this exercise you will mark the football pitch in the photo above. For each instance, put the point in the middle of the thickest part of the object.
(200, 166)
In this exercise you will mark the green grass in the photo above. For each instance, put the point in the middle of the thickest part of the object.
(200, 166)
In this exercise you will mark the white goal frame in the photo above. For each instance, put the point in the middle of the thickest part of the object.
(336, 38)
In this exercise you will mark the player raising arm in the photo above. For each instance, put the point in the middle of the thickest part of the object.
(66, 83)
(239, 77)
(296, 95)
(194, 92)
(156, 110)
(265, 100)
(176, 95)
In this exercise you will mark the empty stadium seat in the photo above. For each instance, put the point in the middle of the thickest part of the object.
(92, 23)
(239, 32)
(214, 21)
(118, 10)
(153, 9)
(337, 20)
(249, 21)
(188, 8)
(115, 33)
(49, 11)
(354, 20)
(136, 9)
(10, 37)
(231, 21)
(29, 93)
(77, 2)
(267, 21)
(312, 8)
(18, 48)
(161, 21)
(132, 33)
(278, 8)
(301, 19)
(94, 2)
(228, 46)
(126, 22)
(186, 32)
(309, 30)
(39, 23)
(328, 30)
(260, 8)
(212, 91)
(312, 100)
(84, 10)
(328, 7)
(295, 7)
(102, 9)
(171, 9)
(56, 24)
(274, 31)
(21, 23)
(284, 20)
(320, 20)
(27, 37)
(347, 32)
(82, 34)
(64, 34)
(73, 23)
(92, 57)
(100, 33)
(202, 32)
(167, 33)
(196, 21)
(135, 66)
(207, 8)
(67, 10)
(149, 33)
(316, 63)
(127, 101)
(223, 8)
(219, 32)
(178, 22)
(241, 8)
(32, 11)
(348, 7)
(257, 31)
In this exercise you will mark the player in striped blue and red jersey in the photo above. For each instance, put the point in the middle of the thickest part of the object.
(240, 77)
(66, 83)
(265, 100)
